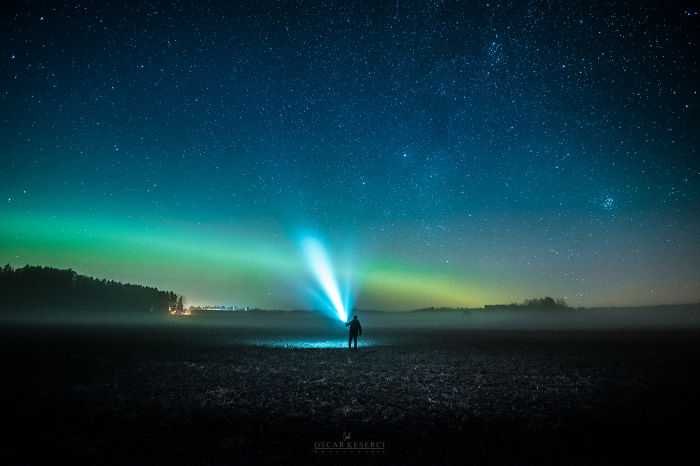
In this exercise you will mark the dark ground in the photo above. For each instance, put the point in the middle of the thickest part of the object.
(178, 393)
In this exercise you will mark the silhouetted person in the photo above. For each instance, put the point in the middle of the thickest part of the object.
(355, 329)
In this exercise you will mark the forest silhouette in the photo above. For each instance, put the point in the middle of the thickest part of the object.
(35, 289)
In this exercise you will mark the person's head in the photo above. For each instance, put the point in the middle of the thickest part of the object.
(354, 318)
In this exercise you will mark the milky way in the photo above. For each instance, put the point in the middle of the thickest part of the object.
(448, 153)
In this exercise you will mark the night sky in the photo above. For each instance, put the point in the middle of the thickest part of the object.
(446, 153)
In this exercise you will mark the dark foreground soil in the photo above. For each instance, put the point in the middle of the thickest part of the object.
(184, 394)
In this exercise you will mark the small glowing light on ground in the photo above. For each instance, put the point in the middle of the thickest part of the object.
(320, 265)
(311, 343)
(299, 343)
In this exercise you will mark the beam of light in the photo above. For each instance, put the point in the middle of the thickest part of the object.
(320, 265)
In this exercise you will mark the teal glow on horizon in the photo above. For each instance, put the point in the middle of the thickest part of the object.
(214, 265)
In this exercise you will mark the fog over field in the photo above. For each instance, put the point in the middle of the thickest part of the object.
(670, 316)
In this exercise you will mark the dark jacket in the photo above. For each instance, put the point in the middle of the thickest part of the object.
(355, 327)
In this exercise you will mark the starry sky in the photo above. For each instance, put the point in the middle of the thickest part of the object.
(447, 153)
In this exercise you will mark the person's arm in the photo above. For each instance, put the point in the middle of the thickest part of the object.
(347, 323)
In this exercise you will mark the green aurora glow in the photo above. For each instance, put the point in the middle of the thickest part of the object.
(211, 265)
(214, 266)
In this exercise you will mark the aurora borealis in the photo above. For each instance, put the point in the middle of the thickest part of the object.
(446, 153)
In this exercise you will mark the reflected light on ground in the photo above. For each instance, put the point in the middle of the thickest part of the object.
(308, 343)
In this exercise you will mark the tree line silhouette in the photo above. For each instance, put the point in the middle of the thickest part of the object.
(535, 303)
(35, 288)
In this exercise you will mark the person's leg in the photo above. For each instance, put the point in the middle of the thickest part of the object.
(350, 342)
(355, 341)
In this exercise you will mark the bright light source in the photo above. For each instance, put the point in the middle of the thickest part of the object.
(321, 267)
